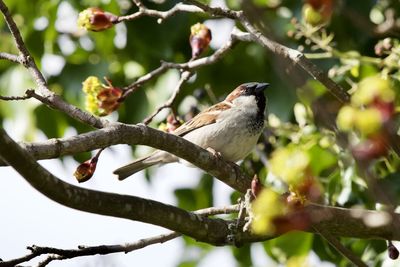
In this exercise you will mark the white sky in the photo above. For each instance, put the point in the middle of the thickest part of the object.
(29, 218)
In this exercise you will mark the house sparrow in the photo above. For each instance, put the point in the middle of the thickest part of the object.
(230, 128)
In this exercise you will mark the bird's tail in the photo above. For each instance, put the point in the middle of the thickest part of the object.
(134, 167)
(143, 163)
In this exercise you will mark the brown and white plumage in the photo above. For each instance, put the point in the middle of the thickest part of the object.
(231, 127)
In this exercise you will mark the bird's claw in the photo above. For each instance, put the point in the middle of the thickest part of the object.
(214, 152)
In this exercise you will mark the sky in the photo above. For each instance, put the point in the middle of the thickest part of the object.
(31, 218)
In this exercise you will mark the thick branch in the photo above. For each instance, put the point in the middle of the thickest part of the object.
(341, 222)
(122, 206)
(140, 134)
(61, 254)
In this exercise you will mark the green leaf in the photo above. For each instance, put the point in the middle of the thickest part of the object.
(366, 70)
(289, 245)
(391, 186)
(321, 159)
(52, 123)
(310, 91)
(325, 252)
(243, 255)
(198, 197)
(186, 198)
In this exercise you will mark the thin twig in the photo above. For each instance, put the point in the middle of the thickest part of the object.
(216, 11)
(161, 15)
(354, 259)
(15, 98)
(236, 35)
(27, 59)
(46, 95)
(295, 56)
(184, 77)
(61, 254)
(10, 57)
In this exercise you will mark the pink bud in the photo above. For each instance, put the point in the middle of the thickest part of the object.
(200, 38)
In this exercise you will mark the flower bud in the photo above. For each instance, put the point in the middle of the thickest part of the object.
(368, 121)
(384, 47)
(266, 208)
(295, 220)
(372, 88)
(95, 19)
(317, 12)
(256, 186)
(290, 164)
(101, 99)
(372, 148)
(392, 251)
(200, 38)
(311, 16)
(172, 123)
(386, 109)
(109, 100)
(85, 171)
(346, 117)
(91, 85)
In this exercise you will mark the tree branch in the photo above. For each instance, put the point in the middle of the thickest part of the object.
(46, 95)
(62, 254)
(123, 206)
(342, 222)
(354, 259)
(295, 56)
(184, 77)
(216, 11)
(161, 15)
(10, 57)
(16, 98)
(236, 35)
(118, 133)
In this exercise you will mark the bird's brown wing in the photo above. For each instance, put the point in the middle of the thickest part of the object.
(206, 117)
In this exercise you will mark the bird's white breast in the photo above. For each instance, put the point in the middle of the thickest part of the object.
(235, 132)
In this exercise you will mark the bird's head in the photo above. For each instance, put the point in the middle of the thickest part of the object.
(247, 90)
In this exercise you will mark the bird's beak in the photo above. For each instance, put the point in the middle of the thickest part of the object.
(261, 86)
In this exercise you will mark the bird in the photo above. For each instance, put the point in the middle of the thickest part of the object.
(230, 129)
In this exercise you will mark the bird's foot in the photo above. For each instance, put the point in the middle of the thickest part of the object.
(218, 155)
(214, 152)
